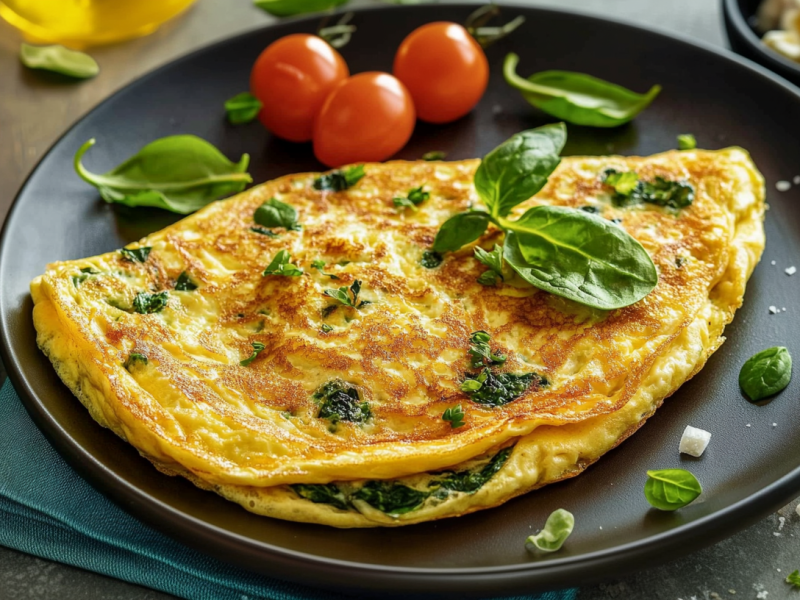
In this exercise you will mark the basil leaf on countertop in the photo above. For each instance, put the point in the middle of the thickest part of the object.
(274, 213)
(579, 256)
(459, 230)
(766, 373)
(59, 60)
(288, 8)
(179, 173)
(578, 98)
(242, 108)
(519, 167)
(671, 489)
(557, 529)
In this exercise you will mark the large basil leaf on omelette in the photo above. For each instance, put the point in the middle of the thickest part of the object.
(579, 256)
(179, 173)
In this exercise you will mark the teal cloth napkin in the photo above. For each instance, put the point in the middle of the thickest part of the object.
(46, 509)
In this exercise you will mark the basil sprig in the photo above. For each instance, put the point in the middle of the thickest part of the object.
(766, 373)
(671, 489)
(288, 8)
(557, 529)
(242, 108)
(281, 265)
(564, 251)
(179, 173)
(59, 60)
(578, 98)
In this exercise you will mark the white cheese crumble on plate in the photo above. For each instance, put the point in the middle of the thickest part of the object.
(773, 310)
(694, 441)
(783, 186)
(791, 270)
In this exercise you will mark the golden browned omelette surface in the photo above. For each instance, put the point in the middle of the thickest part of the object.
(194, 409)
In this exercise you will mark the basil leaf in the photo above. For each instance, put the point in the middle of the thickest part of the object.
(493, 260)
(338, 181)
(766, 373)
(135, 254)
(59, 60)
(686, 141)
(184, 283)
(281, 265)
(455, 415)
(146, 304)
(557, 529)
(793, 578)
(319, 265)
(459, 230)
(288, 8)
(343, 295)
(430, 259)
(274, 213)
(434, 155)
(578, 98)
(671, 489)
(179, 173)
(518, 168)
(242, 108)
(415, 196)
(258, 348)
(579, 256)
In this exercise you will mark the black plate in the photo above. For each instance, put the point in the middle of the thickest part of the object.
(747, 471)
(740, 25)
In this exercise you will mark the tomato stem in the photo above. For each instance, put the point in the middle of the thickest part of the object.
(337, 35)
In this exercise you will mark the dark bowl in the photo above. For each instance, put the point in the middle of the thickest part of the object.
(740, 20)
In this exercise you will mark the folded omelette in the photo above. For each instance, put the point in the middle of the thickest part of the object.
(325, 408)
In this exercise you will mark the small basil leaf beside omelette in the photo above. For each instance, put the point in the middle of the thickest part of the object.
(557, 529)
(578, 98)
(242, 108)
(59, 60)
(179, 173)
(766, 373)
(288, 8)
(671, 489)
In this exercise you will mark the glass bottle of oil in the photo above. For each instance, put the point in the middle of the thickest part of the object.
(80, 23)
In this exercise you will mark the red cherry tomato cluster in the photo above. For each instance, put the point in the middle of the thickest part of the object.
(440, 73)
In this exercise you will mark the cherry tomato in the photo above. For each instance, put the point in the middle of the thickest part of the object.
(444, 69)
(292, 77)
(366, 118)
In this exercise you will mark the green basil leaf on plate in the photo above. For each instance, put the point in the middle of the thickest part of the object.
(671, 489)
(578, 98)
(287, 8)
(766, 373)
(557, 529)
(59, 60)
(519, 167)
(579, 256)
(242, 108)
(459, 230)
(179, 173)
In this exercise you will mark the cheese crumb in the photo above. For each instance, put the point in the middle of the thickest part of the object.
(783, 186)
(791, 270)
(694, 441)
(774, 424)
(773, 310)
(748, 425)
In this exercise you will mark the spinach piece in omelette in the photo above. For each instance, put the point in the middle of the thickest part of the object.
(86, 273)
(391, 497)
(184, 283)
(340, 401)
(496, 390)
(431, 259)
(339, 180)
(135, 254)
(323, 494)
(281, 265)
(471, 480)
(274, 213)
(134, 358)
(629, 190)
(145, 303)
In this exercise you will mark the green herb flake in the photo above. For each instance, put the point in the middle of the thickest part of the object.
(766, 373)
(326, 328)
(793, 578)
(348, 297)
(671, 489)
(328, 493)
(489, 389)
(340, 401)
(455, 415)
(434, 155)
(480, 352)
(134, 359)
(662, 192)
(319, 265)
(281, 265)
(263, 231)
(135, 254)
(274, 213)
(184, 283)
(86, 273)
(557, 529)
(415, 197)
(145, 303)
(258, 348)
(493, 260)
(431, 259)
(339, 180)
(242, 108)
(391, 497)
(623, 182)
(686, 141)
(179, 173)
(58, 60)
(577, 97)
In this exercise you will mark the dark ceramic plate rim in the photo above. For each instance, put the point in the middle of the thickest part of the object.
(736, 18)
(290, 564)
